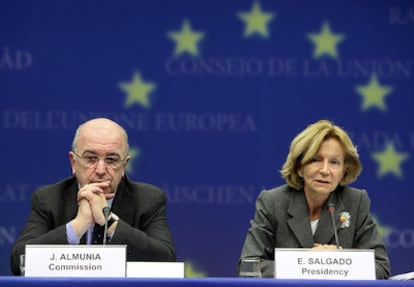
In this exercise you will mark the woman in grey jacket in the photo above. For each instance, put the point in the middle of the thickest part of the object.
(322, 161)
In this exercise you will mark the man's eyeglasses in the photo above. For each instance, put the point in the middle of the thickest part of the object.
(90, 160)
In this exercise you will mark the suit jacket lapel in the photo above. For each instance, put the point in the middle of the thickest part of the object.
(71, 201)
(120, 205)
(325, 232)
(71, 205)
(299, 221)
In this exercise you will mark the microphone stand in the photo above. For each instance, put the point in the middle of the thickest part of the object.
(331, 209)
(106, 210)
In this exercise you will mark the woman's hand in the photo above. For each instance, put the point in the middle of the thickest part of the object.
(325, 246)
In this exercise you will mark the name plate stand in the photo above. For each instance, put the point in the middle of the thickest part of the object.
(337, 264)
(75, 261)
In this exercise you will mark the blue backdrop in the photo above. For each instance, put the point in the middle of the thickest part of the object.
(211, 94)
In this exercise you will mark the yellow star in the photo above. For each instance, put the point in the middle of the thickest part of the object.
(186, 40)
(191, 272)
(134, 154)
(256, 21)
(382, 229)
(137, 91)
(325, 42)
(390, 161)
(374, 94)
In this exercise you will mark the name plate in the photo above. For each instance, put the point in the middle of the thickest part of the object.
(75, 260)
(155, 269)
(338, 264)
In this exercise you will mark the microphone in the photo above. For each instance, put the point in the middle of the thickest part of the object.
(331, 209)
(106, 210)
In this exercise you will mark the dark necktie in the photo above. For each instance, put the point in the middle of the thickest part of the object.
(97, 234)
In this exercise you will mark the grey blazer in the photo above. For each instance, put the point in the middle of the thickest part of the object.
(142, 226)
(282, 220)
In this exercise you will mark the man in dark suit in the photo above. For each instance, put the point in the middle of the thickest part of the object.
(66, 212)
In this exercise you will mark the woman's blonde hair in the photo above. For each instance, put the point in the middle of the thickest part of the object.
(307, 143)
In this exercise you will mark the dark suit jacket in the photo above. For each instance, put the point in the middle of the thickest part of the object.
(142, 226)
(282, 220)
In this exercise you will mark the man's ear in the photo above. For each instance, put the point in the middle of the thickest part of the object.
(125, 165)
(72, 162)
